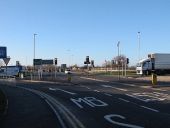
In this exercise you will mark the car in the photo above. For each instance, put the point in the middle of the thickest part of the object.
(67, 71)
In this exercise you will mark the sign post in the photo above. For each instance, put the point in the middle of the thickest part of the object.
(6, 61)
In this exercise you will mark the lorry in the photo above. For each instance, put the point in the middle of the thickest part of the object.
(12, 70)
(63, 67)
(158, 63)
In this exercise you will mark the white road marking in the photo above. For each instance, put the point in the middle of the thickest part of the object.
(96, 91)
(93, 79)
(151, 96)
(110, 118)
(90, 101)
(85, 87)
(107, 94)
(120, 89)
(124, 100)
(154, 110)
(54, 89)
(132, 85)
(137, 98)
(157, 89)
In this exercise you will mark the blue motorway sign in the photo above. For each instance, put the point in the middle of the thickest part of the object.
(3, 52)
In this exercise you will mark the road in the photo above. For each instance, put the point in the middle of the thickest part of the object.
(99, 103)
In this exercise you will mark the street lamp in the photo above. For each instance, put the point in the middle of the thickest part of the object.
(34, 44)
(34, 54)
(139, 45)
(118, 44)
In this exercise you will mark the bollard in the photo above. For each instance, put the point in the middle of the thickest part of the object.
(154, 79)
(69, 78)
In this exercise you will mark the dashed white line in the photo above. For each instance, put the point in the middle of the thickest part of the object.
(85, 87)
(124, 100)
(107, 94)
(120, 89)
(132, 85)
(93, 79)
(154, 110)
(54, 89)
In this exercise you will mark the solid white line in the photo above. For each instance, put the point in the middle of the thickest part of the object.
(107, 94)
(124, 100)
(54, 89)
(56, 113)
(154, 110)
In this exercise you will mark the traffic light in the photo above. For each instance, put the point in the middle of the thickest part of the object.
(92, 63)
(127, 60)
(87, 59)
(55, 61)
(113, 62)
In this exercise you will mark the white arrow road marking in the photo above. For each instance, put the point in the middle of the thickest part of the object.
(54, 89)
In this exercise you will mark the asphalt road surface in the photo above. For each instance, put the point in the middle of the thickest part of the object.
(89, 103)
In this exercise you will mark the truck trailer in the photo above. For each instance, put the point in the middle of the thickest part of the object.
(158, 63)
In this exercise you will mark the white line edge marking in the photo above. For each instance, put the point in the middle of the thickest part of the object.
(149, 108)
(124, 100)
(53, 89)
(56, 113)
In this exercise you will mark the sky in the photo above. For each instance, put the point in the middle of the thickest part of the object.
(70, 30)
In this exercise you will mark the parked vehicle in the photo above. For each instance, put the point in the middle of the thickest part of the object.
(157, 62)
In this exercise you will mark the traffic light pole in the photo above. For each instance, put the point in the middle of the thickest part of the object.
(125, 67)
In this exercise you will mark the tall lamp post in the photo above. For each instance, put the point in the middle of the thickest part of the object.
(139, 45)
(34, 44)
(34, 54)
(118, 44)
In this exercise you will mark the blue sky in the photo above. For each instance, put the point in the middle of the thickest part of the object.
(72, 29)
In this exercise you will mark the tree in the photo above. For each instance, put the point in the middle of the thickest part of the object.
(121, 60)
